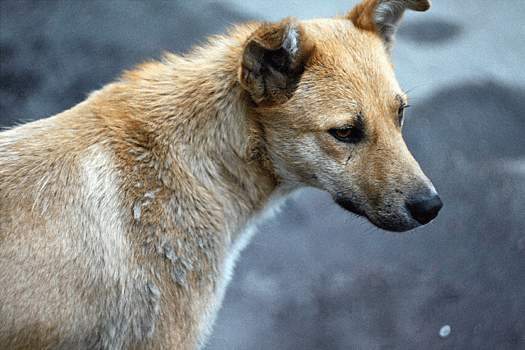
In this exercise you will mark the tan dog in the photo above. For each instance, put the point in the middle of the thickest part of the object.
(120, 219)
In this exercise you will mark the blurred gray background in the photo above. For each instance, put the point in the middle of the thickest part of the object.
(316, 277)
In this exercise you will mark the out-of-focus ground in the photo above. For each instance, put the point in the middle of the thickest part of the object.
(316, 277)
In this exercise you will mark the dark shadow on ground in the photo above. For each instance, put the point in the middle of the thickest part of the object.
(430, 32)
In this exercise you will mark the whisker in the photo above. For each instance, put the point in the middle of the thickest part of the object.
(419, 86)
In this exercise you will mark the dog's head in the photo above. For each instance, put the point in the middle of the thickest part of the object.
(330, 110)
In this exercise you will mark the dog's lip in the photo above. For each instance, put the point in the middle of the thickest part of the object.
(349, 204)
(397, 224)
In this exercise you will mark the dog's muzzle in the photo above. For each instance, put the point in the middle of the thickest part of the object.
(419, 209)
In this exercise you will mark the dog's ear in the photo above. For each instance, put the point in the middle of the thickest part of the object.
(273, 61)
(383, 16)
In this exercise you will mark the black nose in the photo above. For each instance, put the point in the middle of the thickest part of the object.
(424, 206)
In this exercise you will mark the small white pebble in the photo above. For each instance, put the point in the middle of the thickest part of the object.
(478, 329)
(444, 331)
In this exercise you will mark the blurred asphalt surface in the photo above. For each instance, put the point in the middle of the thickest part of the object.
(315, 277)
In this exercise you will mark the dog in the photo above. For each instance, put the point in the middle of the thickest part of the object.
(121, 218)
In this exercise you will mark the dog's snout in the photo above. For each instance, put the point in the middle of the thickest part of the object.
(424, 206)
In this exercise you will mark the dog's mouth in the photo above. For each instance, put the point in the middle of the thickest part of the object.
(391, 219)
(351, 205)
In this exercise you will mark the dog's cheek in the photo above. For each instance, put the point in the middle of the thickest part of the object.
(325, 163)
(298, 158)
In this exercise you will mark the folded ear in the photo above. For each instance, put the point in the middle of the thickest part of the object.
(273, 61)
(383, 16)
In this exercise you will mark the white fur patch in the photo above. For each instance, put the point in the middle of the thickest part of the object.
(291, 42)
(384, 13)
(101, 195)
(387, 16)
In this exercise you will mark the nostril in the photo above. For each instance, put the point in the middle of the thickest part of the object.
(424, 206)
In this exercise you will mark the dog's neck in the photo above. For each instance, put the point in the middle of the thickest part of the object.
(196, 113)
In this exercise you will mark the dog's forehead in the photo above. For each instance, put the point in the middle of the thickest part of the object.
(328, 29)
(349, 73)
(342, 47)
(348, 56)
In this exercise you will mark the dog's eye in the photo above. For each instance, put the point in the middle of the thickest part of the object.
(343, 133)
(347, 134)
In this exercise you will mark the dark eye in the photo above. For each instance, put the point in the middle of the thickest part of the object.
(350, 134)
